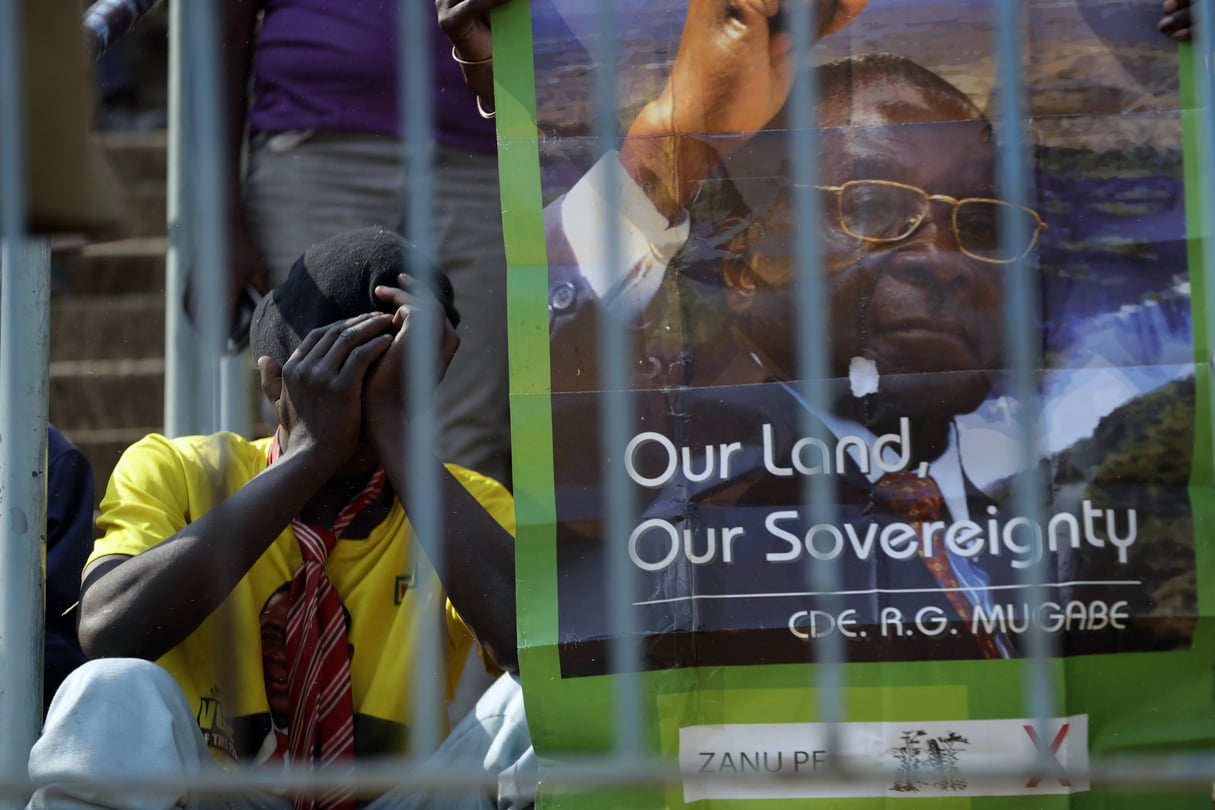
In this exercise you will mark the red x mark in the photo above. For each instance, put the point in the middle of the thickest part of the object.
(1061, 774)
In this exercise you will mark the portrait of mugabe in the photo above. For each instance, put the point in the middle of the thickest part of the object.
(930, 559)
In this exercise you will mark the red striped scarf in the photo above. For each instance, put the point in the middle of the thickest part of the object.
(321, 727)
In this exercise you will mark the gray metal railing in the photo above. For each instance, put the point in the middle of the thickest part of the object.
(24, 360)
(202, 396)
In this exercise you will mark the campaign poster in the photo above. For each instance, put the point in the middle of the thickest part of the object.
(917, 428)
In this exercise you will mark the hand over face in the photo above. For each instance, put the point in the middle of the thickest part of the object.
(386, 394)
(318, 395)
(1178, 21)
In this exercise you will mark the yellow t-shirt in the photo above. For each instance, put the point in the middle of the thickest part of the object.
(385, 583)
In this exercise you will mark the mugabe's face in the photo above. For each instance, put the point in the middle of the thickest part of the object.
(910, 278)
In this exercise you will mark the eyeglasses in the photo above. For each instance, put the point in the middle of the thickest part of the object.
(883, 211)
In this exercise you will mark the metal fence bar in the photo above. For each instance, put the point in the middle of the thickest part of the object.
(209, 268)
(422, 502)
(181, 356)
(617, 415)
(24, 354)
(1175, 771)
(236, 392)
(1022, 319)
(24, 357)
(1202, 59)
(206, 387)
(813, 338)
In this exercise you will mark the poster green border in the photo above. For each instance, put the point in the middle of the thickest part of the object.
(527, 294)
(1129, 708)
(1202, 470)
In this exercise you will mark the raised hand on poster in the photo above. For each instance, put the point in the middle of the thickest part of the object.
(732, 73)
(1178, 20)
(731, 76)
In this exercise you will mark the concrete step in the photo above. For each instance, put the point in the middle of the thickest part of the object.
(107, 302)
(139, 161)
(107, 394)
(145, 209)
(135, 265)
(136, 156)
(107, 345)
(107, 327)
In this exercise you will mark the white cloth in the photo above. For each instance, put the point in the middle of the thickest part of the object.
(606, 205)
(126, 718)
(121, 718)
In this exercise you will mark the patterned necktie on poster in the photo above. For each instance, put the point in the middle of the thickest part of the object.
(919, 500)
(321, 727)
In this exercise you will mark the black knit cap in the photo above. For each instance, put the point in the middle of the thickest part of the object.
(336, 279)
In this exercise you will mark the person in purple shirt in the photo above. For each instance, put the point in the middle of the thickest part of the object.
(313, 106)
(314, 147)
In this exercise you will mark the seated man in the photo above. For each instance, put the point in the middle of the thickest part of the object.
(200, 532)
